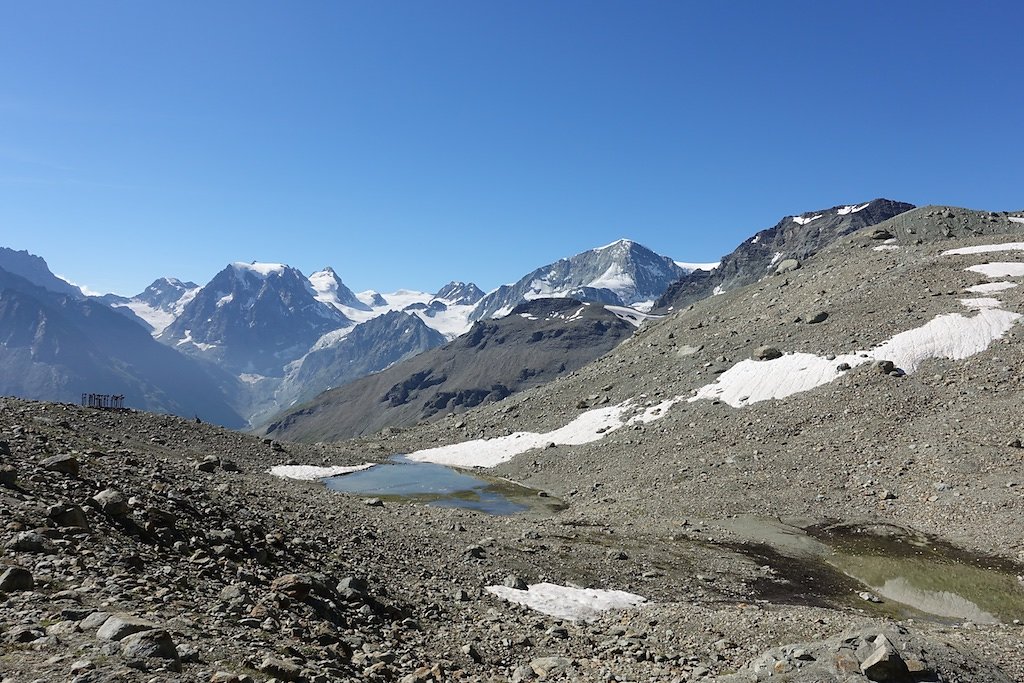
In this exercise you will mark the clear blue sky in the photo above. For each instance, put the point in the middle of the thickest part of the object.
(409, 143)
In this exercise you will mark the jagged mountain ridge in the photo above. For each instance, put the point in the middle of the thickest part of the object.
(540, 340)
(622, 273)
(793, 237)
(157, 305)
(253, 318)
(57, 347)
(35, 270)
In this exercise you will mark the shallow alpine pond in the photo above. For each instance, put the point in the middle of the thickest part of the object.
(926, 574)
(403, 480)
(912, 574)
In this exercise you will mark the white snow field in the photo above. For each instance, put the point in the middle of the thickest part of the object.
(312, 472)
(565, 602)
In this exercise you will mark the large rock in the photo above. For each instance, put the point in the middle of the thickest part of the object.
(767, 353)
(68, 515)
(295, 586)
(546, 666)
(119, 626)
(787, 266)
(16, 579)
(885, 654)
(32, 542)
(280, 668)
(153, 644)
(65, 464)
(884, 664)
(112, 502)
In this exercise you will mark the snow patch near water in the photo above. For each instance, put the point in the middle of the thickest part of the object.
(565, 602)
(311, 472)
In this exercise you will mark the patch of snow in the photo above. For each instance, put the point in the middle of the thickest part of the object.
(981, 302)
(701, 266)
(159, 319)
(325, 287)
(985, 249)
(755, 239)
(251, 378)
(1016, 219)
(225, 300)
(566, 602)
(528, 316)
(401, 298)
(187, 339)
(717, 290)
(804, 221)
(952, 336)
(260, 269)
(615, 279)
(775, 259)
(331, 338)
(589, 426)
(990, 287)
(311, 472)
(451, 322)
(886, 247)
(630, 315)
(622, 241)
(851, 209)
(999, 269)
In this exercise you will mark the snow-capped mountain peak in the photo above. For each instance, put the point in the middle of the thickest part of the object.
(329, 289)
(261, 270)
(623, 273)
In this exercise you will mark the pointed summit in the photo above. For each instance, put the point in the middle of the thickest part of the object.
(623, 273)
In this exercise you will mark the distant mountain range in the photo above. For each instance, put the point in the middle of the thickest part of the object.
(261, 338)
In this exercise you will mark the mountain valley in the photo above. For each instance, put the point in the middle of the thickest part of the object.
(814, 476)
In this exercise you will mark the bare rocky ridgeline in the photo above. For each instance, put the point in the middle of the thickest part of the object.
(149, 548)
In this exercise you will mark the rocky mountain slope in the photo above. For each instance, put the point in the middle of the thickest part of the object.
(58, 347)
(369, 347)
(623, 273)
(538, 341)
(857, 523)
(791, 240)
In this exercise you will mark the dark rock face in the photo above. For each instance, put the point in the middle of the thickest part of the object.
(792, 239)
(34, 269)
(57, 347)
(538, 341)
(253, 319)
(621, 273)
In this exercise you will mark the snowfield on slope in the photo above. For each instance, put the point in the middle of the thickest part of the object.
(566, 602)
